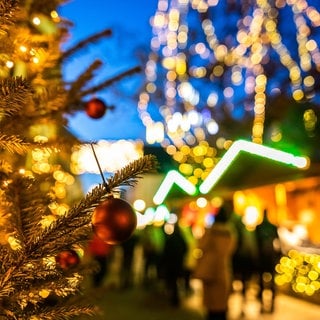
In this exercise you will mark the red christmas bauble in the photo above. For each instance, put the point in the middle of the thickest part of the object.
(114, 220)
(67, 259)
(95, 108)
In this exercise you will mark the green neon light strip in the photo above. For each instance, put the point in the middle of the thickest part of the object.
(173, 177)
(254, 148)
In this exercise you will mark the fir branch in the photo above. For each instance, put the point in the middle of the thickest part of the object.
(11, 218)
(65, 312)
(60, 284)
(33, 276)
(74, 92)
(51, 98)
(63, 142)
(14, 144)
(76, 223)
(50, 313)
(5, 169)
(13, 85)
(57, 103)
(41, 6)
(33, 205)
(14, 94)
(67, 230)
(111, 81)
(25, 282)
(7, 8)
(6, 287)
(66, 238)
(132, 172)
(84, 43)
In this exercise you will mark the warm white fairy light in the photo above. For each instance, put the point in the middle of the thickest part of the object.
(23, 48)
(242, 57)
(36, 21)
(9, 64)
(54, 14)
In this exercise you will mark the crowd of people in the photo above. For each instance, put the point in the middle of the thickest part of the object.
(230, 251)
(171, 256)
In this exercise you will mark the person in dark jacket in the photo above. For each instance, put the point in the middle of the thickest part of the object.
(174, 251)
(269, 255)
(245, 257)
(127, 264)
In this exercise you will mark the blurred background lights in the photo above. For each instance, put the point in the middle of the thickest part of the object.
(300, 270)
(36, 20)
(250, 217)
(139, 205)
(9, 64)
(112, 156)
(149, 214)
(212, 127)
(202, 202)
(173, 218)
(161, 214)
(209, 78)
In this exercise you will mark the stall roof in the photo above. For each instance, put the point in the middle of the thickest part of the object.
(248, 165)
(245, 165)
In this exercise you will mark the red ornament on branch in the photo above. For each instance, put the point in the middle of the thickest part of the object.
(95, 108)
(67, 259)
(114, 220)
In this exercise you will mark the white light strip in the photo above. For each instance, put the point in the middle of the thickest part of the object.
(253, 148)
(173, 177)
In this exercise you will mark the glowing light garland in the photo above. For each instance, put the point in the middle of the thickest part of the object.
(174, 177)
(211, 56)
(253, 148)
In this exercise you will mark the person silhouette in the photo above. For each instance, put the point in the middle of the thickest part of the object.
(245, 256)
(127, 263)
(269, 255)
(214, 266)
(152, 241)
(174, 251)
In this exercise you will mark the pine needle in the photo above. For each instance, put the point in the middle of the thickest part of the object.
(111, 81)
(75, 225)
(14, 144)
(129, 175)
(14, 94)
(6, 11)
(82, 44)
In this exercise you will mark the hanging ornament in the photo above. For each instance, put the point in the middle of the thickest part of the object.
(114, 220)
(95, 108)
(67, 259)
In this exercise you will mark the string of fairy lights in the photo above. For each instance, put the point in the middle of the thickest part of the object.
(209, 56)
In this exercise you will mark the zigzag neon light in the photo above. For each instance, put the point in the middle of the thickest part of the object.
(253, 148)
(173, 177)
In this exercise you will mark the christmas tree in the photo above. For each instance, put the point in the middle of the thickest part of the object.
(45, 222)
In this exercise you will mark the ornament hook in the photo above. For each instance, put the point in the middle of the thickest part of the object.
(100, 170)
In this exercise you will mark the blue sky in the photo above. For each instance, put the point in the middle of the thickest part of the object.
(129, 22)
